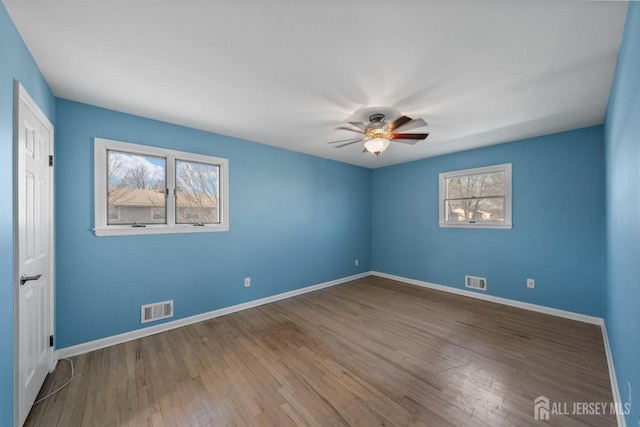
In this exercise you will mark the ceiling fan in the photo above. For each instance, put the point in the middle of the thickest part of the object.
(378, 133)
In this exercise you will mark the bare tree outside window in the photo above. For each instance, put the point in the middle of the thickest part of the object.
(476, 198)
(136, 189)
(197, 191)
(137, 177)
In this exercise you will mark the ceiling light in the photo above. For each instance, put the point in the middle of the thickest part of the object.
(376, 145)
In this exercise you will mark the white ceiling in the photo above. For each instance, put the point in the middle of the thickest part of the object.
(288, 72)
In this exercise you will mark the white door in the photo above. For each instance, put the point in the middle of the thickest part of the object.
(34, 252)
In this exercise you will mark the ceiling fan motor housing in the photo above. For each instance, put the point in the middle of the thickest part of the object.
(377, 128)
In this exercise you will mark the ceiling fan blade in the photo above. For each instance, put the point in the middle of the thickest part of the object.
(410, 141)
(413, 124)
(348, 143)
(359, 125)
(399, 122)
(345, 140)
(410, 135)
(348, 128)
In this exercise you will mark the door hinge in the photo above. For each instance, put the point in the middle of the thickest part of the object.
(51, 160)
(50, 340)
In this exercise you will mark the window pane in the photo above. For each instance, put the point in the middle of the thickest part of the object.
(136, 189)
(480, 210)
(197, 190)
(491, 184)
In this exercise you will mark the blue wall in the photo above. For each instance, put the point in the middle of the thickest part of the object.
(622, 136)
(296, 220)
(558, 216)
(16, 63)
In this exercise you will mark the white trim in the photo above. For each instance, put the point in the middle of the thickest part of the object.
(115, 230)
(152, 330)
(617, 400)
(101, 146)
(442, 193)
(513, 303)
(475, 225)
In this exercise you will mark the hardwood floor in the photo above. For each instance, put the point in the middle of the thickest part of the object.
(371, 352)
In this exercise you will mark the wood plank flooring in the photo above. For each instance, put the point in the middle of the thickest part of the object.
(370, 352)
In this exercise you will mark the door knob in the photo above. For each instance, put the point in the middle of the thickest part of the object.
(24, 278)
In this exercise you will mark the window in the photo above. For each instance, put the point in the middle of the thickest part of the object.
(476, 198)
(196, 189)
(148, 190)
(136, 189)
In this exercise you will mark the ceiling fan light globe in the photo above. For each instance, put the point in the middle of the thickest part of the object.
(376, 145)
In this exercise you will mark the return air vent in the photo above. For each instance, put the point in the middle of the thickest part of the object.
(475, 282)
(157, 311)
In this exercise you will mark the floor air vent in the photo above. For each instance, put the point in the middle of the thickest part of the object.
(157, 311)
(475, 282)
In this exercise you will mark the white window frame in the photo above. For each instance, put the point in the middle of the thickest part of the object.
(101, 148)
(505, 224)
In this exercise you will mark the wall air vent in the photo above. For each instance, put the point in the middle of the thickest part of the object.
(475, 282)
(157, 311)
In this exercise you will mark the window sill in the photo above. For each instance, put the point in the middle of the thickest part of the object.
(475, 225)
(156, 229)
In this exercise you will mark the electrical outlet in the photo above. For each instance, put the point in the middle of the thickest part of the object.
(247, 282)
(531, 283)
(357, 262)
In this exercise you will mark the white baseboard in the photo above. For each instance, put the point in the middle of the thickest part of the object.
(514, 303)
(617, 400)
(152, 330)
